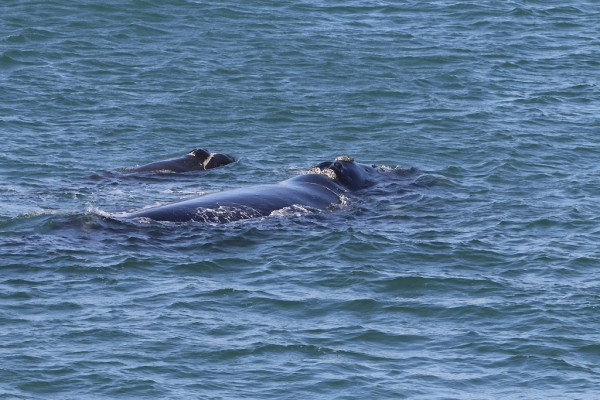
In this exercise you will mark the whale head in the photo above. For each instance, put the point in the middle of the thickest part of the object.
(211, 160)
(348, 173)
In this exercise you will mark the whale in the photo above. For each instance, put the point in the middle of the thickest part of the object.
(322, 187)
(197, 159)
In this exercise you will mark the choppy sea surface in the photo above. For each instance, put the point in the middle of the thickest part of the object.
(476, 275)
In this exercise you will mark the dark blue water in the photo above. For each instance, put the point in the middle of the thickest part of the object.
(475, 275)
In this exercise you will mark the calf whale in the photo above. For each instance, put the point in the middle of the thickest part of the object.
(322, 187)
(196, 160)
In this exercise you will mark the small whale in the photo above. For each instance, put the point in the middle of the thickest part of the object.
(196, 160)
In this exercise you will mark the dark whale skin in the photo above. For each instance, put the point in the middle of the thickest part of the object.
(311, 190)
(196, 160)
(319, 189)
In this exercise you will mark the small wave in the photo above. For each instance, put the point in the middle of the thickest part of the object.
(400, 171)
(31, 35)
(429, 180)
(38, 213)
(16, 59)
(7, 62)
(95, 211)
(132, 170)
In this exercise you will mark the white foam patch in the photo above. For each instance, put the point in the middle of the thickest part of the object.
(91, 210)
(225, 214)
(183, 192)
(293, 211)
(39, 212)
(344, 200)
(145, 220)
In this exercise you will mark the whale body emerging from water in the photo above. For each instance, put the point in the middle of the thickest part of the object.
(196, 160)
(322, 187)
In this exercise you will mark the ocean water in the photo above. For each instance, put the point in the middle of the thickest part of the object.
(474, 275)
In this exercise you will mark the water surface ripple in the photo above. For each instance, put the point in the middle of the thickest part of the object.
(473, 275)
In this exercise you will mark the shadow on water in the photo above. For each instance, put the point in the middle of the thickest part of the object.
(124, 175)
